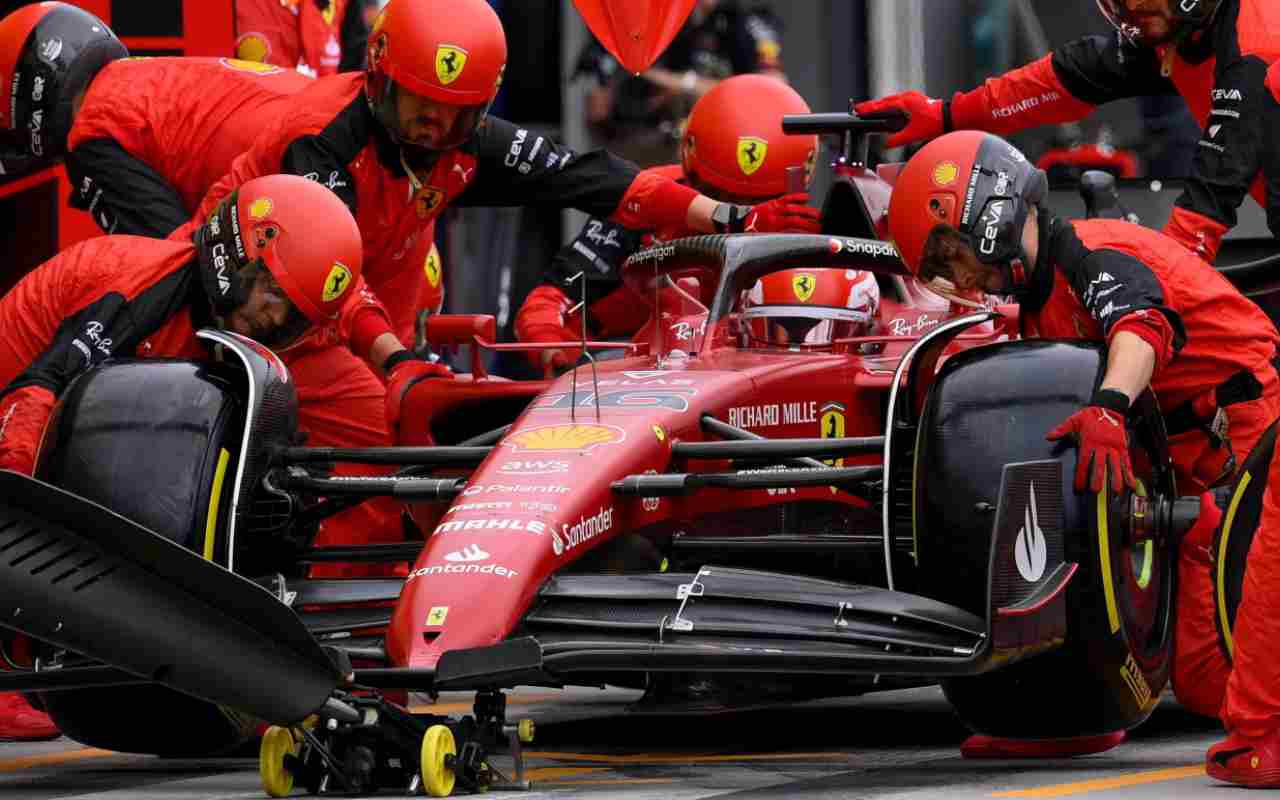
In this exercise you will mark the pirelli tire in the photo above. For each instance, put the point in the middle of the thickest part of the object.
(990, 407)
(1235, 535)
(157, 441)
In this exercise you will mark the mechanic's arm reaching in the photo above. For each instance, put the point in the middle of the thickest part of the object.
(1143, 335)
(1068, 84)
(516, 167)
(123, 194)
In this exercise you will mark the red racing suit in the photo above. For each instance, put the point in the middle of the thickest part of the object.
(316, 37)
(598, 253)
(1215, 351)
(153, 134)
(330, 135)
(1220, 72)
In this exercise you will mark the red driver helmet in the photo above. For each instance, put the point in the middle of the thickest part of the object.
(733, 146)
(978, 184)
(299, 232)
(48, 53)
(450, 52)
(810, 309)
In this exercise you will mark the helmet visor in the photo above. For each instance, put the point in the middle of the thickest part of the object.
(429, 124)
(268, 315)
(802, 327)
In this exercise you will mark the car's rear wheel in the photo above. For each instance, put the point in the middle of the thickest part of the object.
(991, 407)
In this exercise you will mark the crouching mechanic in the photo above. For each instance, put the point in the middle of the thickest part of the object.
(412, 136)
(967, 216)
(129, 296)
(1214, 53)
(734, 150)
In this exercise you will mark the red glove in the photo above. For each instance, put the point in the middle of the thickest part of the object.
(787, 214)
(542, 318)
(927, 120)
(404, 370)
(1099, 431)
(23, 414)
(1196, 232)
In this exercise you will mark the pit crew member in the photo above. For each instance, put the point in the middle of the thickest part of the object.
(316, 37)
(261, 267)
(412, 135)
(967, 216)
(1214, 53)
(144, 140)
(733, 149)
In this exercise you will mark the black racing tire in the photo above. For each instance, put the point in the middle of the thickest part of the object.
(1235, 534)
(991, 407)
(156, 441)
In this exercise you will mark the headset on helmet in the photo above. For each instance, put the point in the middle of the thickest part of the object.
(733, 144)
(49, 52)
(295, 229)
(978, 184)
(451, 51)
(810, 309)
(1188, 15)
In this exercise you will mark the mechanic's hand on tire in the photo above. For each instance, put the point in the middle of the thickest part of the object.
(1100, 433)
(925, 111)
(787, 214)
(404, 371)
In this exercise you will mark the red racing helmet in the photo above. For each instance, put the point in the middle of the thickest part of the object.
(978, 184)
(453, 52)
(810, 308)
(297, 230)
(733, 144)
(49, 52)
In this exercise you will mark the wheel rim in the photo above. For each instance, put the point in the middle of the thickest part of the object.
(277, 779)
(437, 777)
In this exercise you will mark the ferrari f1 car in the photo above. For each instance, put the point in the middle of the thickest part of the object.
(769, 522)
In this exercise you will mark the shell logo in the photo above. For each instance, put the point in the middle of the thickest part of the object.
(570, 436)
(945, 173)
(260, 208)
(252, 50)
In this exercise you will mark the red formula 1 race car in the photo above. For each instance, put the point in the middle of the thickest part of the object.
(764, 523)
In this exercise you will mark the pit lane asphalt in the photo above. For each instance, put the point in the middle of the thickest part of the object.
(900, 745)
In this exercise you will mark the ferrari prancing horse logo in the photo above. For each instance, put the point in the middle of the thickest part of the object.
(751, 153)
(803, 285)
(336, 283)
(432, 267)
(450, 62)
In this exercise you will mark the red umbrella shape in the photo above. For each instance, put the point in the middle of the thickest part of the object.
(635, 31)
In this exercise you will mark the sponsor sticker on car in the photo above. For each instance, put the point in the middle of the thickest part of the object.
(574, 436)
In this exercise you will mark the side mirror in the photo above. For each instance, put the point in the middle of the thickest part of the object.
(455, 330)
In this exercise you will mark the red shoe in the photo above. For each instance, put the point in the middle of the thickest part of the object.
(19, 722)
(1246, 761)
(978, 746)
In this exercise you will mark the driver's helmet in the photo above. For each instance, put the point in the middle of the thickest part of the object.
(450, 52)
(292, 234)
(49, 52)
(733, 148)
(1188, 15)
(810, 309)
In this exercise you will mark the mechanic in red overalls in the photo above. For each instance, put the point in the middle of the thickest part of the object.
(261, 267)
(1250, 755)
(412, 135)
(967, 216)
(315, 37)
(1213, 52)
(733, 149)
(144, 140)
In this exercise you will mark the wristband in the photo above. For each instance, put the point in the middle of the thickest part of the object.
(397, 358)
(729, 218)
(1112, 400)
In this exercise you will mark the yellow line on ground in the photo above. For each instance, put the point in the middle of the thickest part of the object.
(679, 758)
(52, 759)
(550, 773)
(1102, 784)
(465, 707)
